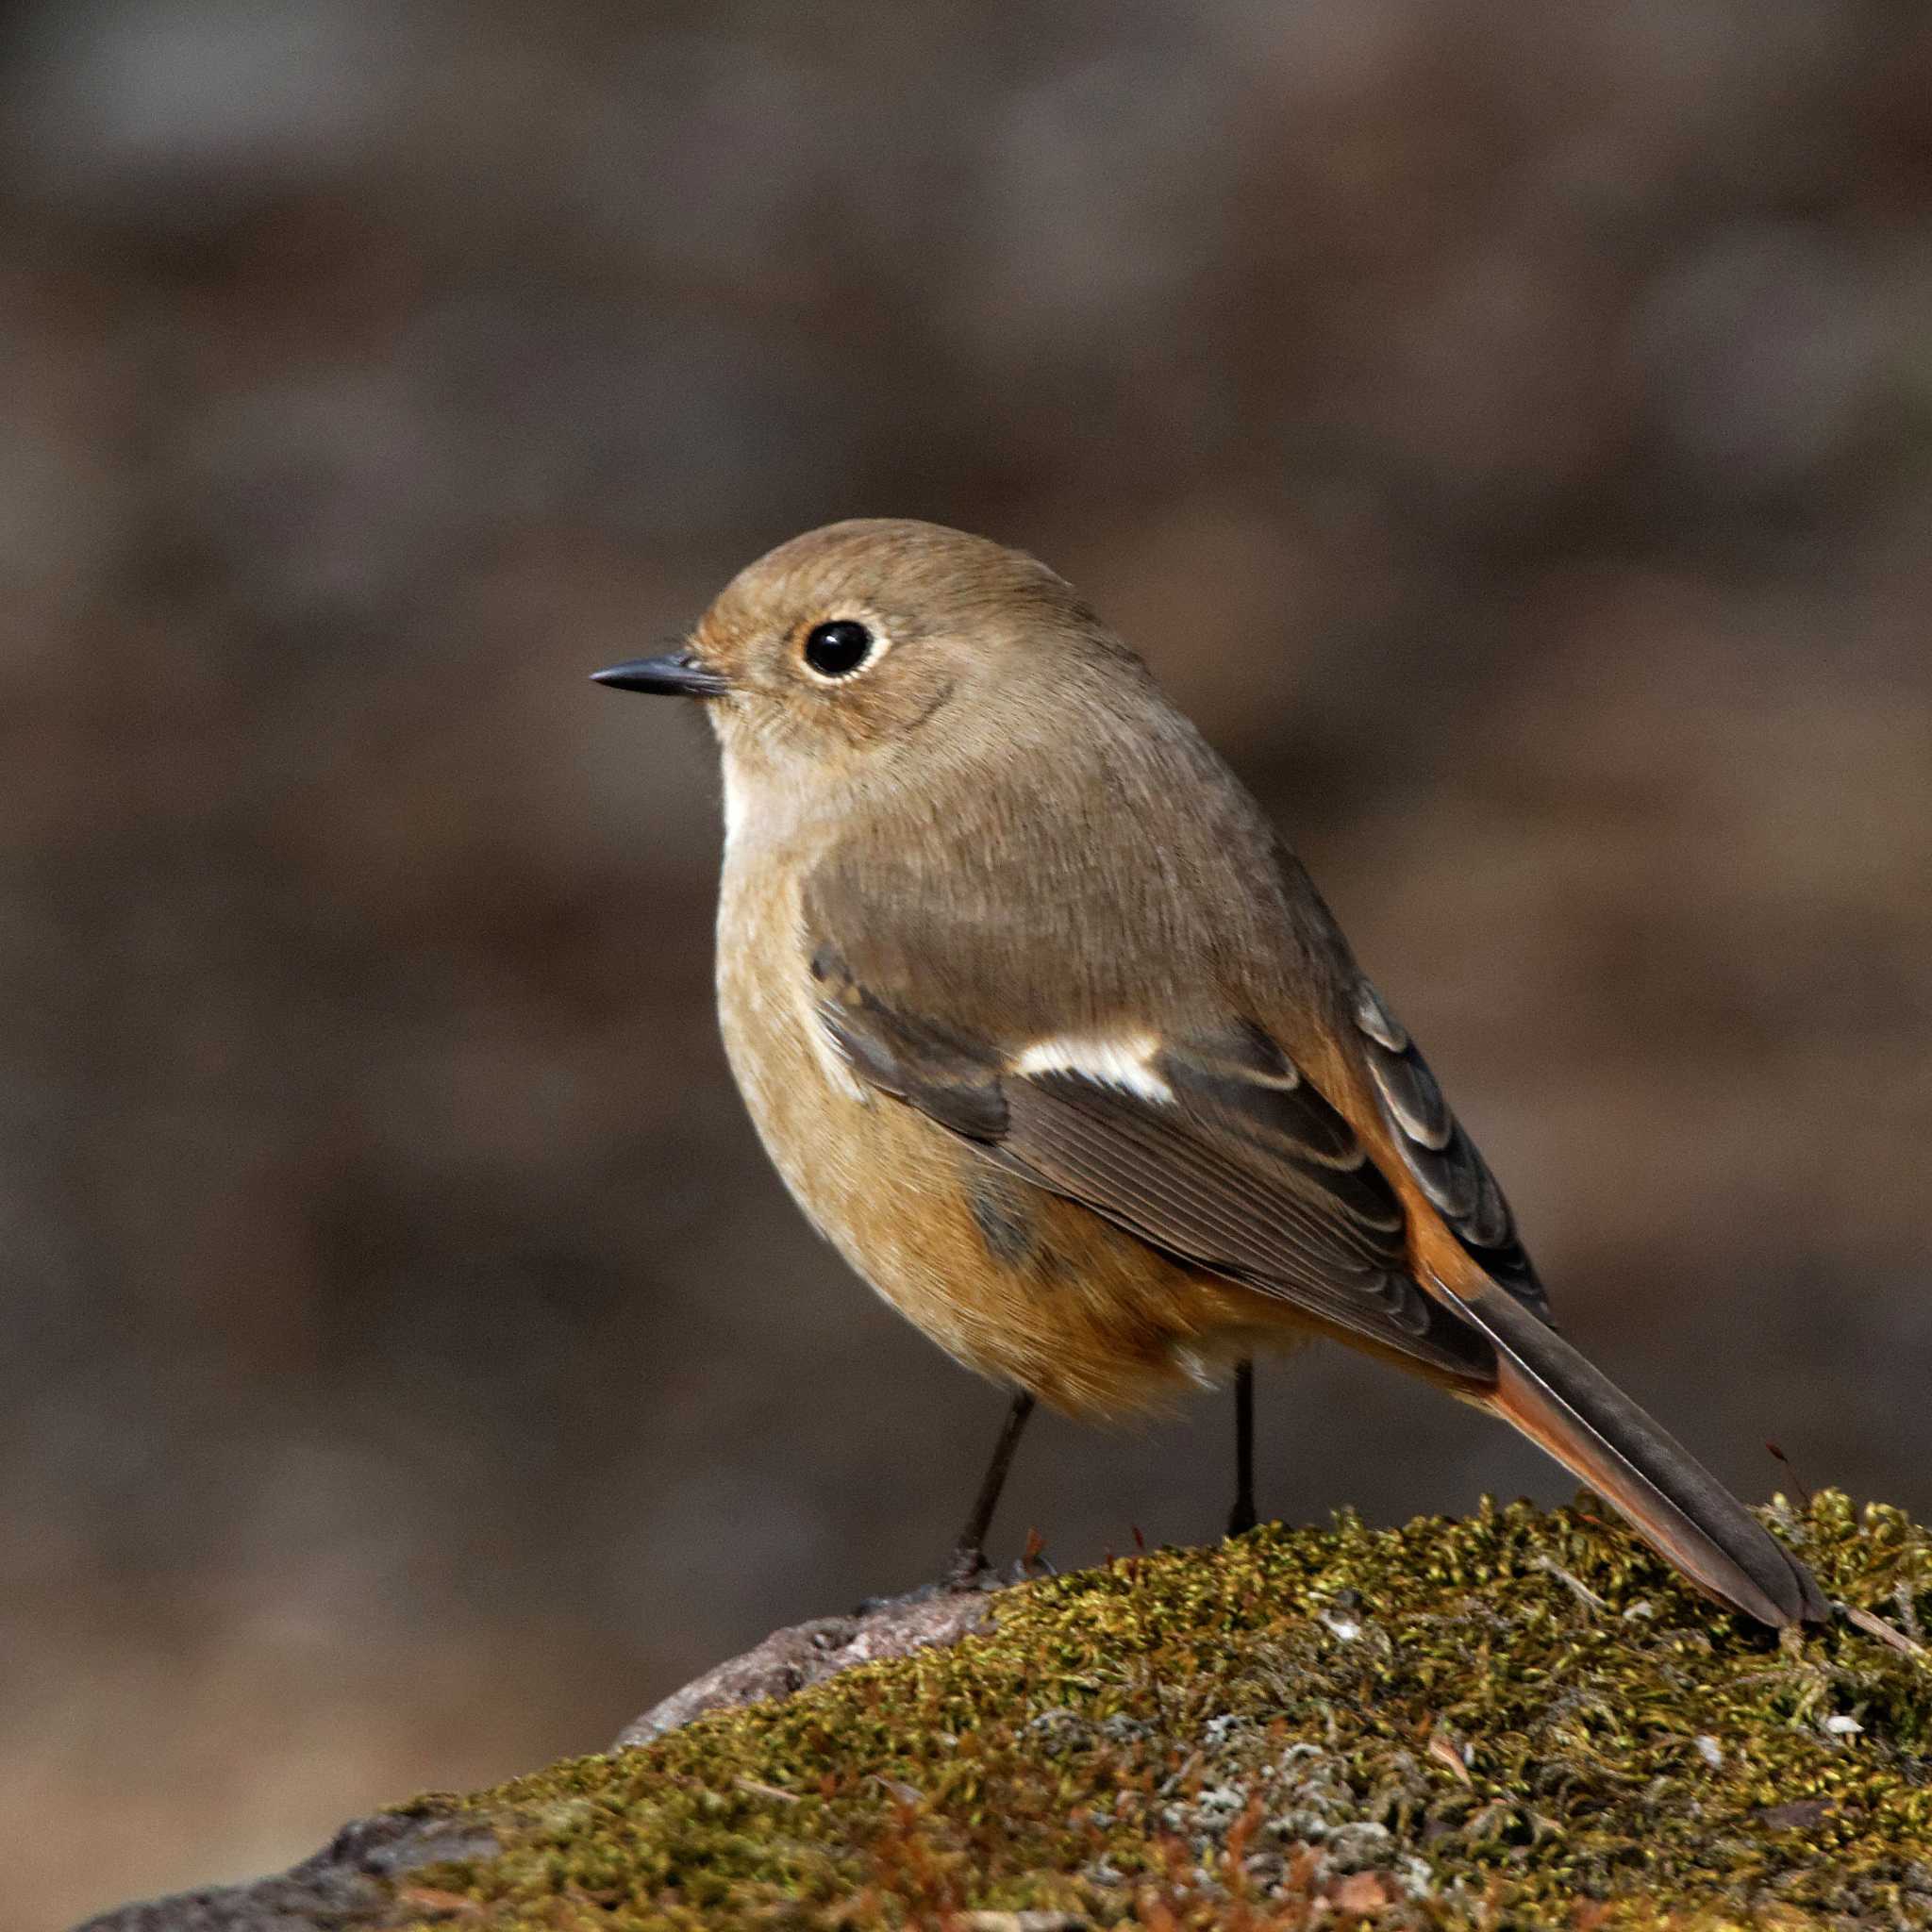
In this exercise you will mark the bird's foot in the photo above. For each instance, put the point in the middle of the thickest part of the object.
(967, 1574)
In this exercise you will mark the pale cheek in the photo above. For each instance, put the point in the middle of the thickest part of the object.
(734, 810)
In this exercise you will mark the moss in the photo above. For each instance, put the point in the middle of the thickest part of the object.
(1519, 1720)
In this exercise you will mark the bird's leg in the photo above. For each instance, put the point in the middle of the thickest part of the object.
(1241, 1517)
(968, 1553)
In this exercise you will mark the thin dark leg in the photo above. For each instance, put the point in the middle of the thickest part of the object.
(968, 1553)
(1241, 1517)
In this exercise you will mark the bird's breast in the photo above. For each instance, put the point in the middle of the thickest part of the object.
(1009, 1279)
(880, 1182)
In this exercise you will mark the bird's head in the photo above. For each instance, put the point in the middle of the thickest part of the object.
(849, 647)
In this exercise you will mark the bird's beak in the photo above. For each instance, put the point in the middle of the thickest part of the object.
(679, 673)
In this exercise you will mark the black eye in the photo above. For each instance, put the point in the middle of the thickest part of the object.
(838, 648)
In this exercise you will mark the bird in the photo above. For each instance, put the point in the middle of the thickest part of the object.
(1048, 1031)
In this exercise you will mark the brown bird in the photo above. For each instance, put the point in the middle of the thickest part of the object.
(1052, 1037)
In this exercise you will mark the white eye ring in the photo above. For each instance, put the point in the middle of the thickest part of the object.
(838, 648)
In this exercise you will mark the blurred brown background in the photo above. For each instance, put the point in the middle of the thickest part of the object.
(1508, 436)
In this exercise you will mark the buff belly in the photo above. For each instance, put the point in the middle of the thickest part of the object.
(1015, 1283)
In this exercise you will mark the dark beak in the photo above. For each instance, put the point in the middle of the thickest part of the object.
(678, 672)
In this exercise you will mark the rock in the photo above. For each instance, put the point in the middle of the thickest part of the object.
(350, 1882)
(793, 1660)
(1448, 1726)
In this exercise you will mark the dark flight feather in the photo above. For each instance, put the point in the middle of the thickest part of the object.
(1440, 1155)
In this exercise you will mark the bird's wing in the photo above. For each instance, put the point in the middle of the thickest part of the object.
(1212, 1147)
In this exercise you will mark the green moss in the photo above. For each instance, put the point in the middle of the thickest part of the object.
(1520, 1720)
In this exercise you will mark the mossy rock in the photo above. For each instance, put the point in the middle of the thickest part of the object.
(1516, 1721)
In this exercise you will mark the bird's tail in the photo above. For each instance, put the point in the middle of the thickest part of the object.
(1577, 1414)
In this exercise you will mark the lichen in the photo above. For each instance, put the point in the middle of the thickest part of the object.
(1520, 1720)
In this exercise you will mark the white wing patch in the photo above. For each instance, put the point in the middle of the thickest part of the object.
(1123, 1060)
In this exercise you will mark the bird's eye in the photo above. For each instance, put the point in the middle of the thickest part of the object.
(838, 648)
